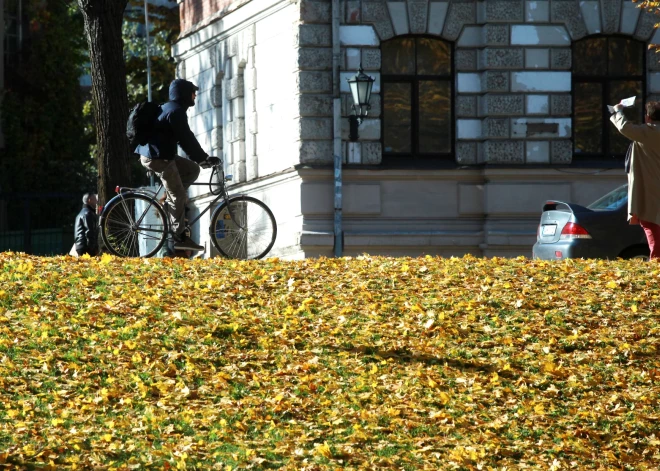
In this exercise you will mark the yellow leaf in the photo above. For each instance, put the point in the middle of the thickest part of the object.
(548, 367)
(611, 284)
(324, 450)
(105, 258)
(633, 308)
(538, 408)
(373, 369)
(107, 437)
(444, 398)
(432, 383)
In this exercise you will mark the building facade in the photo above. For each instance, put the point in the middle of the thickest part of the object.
(481, 111)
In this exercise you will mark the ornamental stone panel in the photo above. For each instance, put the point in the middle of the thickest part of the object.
(504, 152)
(466, 106)
(496, 35)
(378, 14)
(568, 12)
(465, 59)
(501, 58)
(496, 128)
(509, 11)
(372, 153)
(645, 26)
(459, 14)
(561, 152)
(494, 81)
(501, 105)
(466, 152)
(560, 59)
(418, 15)
(371, 59)
(561, 105)
(611, 15)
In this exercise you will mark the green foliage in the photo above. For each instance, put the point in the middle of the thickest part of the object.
(42, 106)
(163, 32)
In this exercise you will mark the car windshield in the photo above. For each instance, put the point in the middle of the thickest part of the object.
(613, 200)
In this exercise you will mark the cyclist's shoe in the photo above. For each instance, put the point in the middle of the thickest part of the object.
(184, 242)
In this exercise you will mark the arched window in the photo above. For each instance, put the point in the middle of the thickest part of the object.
(417, 88)
(606, 69)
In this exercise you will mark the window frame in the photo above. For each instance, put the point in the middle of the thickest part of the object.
(414, 81)
(606, 158)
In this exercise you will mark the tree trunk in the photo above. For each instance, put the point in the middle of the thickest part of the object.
(103, 22)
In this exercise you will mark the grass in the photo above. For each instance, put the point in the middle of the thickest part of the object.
(362, 363)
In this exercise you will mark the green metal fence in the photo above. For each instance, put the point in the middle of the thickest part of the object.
(38, 223)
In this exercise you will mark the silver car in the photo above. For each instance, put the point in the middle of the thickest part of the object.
(600, 230)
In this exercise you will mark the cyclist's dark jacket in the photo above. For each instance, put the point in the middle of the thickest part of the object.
(173, 129)
(86, 230)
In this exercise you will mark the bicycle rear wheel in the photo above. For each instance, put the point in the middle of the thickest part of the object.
(133, 225)
(243, 227)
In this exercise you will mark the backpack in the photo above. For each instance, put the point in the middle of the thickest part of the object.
(142, 123)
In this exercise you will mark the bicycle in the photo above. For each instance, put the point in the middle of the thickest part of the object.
(135, 224)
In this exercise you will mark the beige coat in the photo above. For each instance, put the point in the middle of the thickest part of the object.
(644, 176)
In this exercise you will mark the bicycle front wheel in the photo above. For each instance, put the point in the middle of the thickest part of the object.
(133, 225)
(243, 227)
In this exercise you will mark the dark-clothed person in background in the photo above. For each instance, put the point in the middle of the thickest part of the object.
(643, 167)
(86, 228)
(160, 156)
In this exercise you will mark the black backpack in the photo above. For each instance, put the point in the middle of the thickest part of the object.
(142, 123)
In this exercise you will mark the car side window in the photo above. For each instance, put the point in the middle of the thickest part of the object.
(612, 200)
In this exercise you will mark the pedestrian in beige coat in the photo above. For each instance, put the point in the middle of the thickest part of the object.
(643, 168)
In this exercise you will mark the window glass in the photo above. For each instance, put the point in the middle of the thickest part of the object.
(433, 57)
(434, 117)
(606, 69)
(398, 57)
(588, 118)
(612, 200)
(397, 126)
(590, 57)
(626, 57)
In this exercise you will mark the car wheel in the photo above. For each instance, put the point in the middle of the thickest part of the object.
(639, 251)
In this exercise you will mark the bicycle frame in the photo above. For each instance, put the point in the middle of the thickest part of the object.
(152, 195)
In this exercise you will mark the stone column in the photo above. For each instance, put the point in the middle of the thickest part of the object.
(250, 85)
(314, 42)
(235, 111)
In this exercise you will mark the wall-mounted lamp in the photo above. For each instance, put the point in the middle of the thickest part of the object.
(361, 85)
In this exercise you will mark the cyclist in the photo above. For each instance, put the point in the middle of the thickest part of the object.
(177, 173)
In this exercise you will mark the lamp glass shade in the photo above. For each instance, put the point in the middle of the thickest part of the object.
(361, 85)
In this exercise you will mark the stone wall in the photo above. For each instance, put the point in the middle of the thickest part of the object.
(512, 64)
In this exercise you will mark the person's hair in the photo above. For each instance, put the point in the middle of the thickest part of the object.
(653, 110)
(86, 197)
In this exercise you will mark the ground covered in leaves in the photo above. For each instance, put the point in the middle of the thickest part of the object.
(364, 363)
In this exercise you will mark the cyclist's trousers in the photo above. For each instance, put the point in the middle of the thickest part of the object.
(177, 175)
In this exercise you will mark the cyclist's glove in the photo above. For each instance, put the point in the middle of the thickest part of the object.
(210, 162)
